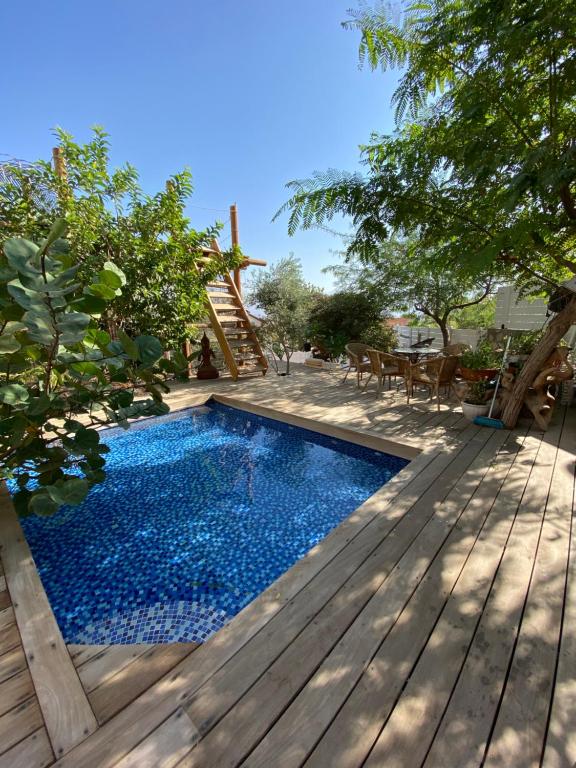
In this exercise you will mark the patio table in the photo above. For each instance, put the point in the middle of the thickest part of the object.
(414, 354)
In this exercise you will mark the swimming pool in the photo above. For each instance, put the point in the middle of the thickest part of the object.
(201, 510)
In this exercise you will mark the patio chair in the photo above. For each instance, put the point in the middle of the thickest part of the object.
(435, 373)
(454, 349)
(384, 365)
(357, 359)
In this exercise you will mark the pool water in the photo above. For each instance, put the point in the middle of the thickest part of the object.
(201, 510)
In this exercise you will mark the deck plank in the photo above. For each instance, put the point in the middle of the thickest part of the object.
(410, 728)
(519, 732)
(109, 662)
(357, 725)
(117, 691)
(165, 746)
(65, 708)
(9, 638)
(15, 690)
(19, 723)
(11, 663)
(32, 752)
(560, 747)
(468, 720)
(233, 738)
(297, 731)
(7, 617)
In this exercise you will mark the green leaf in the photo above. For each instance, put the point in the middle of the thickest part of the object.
(57, 231)
(72, 490)
(39, 405)
(109, 266)
(72, 327)
(149, 349)
(110, 278)
(41, 504)
(129, 346)
(8, 345)
(20, 254)
(14, 394)
(86, 438)
(40, 326)
(92, 305)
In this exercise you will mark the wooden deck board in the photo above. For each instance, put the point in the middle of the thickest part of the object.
(398, 641)
(228, 744)
(560, 747)
(32, 752)
(358, 723)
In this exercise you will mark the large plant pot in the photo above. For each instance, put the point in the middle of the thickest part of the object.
(470, 410)
(477, 374)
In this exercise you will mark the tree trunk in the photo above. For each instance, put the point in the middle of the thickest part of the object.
(532, 367)
(445, 334)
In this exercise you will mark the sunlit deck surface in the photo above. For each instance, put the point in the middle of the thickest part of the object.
(435, 627)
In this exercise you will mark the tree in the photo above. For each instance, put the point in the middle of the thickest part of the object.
(401, 277)
(348, 315)
(483, 165)
(286, 300)
(61, 375)
(109, 218)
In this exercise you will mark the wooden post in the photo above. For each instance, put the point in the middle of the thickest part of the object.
(59, 163)
(235, 241)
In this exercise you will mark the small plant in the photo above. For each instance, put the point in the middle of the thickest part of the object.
(476, 393)
(524, 343)
(484, 356)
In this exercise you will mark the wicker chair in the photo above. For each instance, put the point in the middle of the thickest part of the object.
(384, 365)
(357, 360)
(435, 373)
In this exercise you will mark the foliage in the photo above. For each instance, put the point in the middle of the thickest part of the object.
(401, 276)
(476, 392)
(346, 316)
(286, 299)
(109, 218)
(61, 374)
(483, 164)
(480, 315)
(484, 356)
(523, 343)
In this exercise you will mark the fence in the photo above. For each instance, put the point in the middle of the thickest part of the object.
(408, 335)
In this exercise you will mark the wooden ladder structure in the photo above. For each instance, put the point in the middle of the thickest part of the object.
(232, 326)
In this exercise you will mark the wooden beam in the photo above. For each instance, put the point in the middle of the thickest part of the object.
(235, 241)
(65, 708)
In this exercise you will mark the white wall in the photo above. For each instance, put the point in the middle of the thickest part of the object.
(518, 314)
(408, 335)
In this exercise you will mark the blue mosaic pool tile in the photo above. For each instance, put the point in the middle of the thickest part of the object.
(201, 510)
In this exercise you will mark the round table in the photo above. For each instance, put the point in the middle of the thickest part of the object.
(414, 354)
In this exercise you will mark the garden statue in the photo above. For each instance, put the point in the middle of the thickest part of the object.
(206, 370)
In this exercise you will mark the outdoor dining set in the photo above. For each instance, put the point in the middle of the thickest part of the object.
(419, 364)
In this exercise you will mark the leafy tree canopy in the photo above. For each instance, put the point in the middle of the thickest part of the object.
(484, 160)
(110, 218)
(402, 277)
(348, 315)
(483, 163)
(285, 298)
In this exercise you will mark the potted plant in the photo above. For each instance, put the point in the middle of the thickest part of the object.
(522, 344)
(480, 363)
(475, 400)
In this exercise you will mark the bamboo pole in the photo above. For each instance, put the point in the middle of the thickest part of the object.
(235, 241)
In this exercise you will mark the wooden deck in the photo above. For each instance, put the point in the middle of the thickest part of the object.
(435, 627)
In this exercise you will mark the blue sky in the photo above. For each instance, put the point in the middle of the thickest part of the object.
(249, 94)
